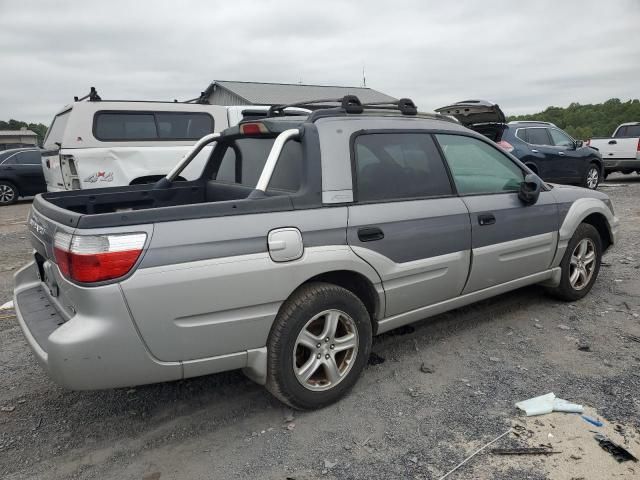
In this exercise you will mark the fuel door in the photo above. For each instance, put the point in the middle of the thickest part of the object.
(285, 244)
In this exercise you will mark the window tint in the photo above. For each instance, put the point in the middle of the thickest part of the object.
(28, 158)
(479, 168)
(560, 139)
(55, 132)
(288, 172)
(538, 136)
(128, 126)
(190, 126)
(628, 131)
(244, 160)
(521, 133)
(399, 165)
(125, 126)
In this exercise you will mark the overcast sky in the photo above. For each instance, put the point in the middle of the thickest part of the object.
(523, 55)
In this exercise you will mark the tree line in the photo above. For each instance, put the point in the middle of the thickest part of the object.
(37, 128)
(591, 120)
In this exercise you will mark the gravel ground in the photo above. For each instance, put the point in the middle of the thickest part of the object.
(399, 421)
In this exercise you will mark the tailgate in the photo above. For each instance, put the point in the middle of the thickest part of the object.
(472, 112)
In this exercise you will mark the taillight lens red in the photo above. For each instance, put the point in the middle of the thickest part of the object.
(253, 128)
(96, 258)
(589, 143)
(638, 148)
(506, 146)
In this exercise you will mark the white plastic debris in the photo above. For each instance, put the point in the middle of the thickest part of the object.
(7, 306)
(546, 404)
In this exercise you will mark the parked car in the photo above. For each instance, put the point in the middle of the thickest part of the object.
(547, 150)
(302, 238)
(96, 143)
(621, 151)
(20, 174)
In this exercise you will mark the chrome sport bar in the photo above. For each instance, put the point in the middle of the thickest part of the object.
(272, 159)
(197, 148)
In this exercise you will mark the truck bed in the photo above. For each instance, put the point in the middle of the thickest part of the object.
(140, 204)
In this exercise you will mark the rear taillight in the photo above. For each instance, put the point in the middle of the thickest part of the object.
(96, 258)
(506, 146)
(589, 143)
(638, 147)
(48, 163)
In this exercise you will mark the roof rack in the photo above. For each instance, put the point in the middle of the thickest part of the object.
(350, 104)
(531, 121)
(92, 96)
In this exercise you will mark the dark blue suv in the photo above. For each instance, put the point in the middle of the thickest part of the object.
(544, 148)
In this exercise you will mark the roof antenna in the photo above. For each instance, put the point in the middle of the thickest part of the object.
(364, 78)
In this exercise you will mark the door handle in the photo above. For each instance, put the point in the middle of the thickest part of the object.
(370, 234)
(561, 154)
(612, 142)
(533, 150)
(486, 219)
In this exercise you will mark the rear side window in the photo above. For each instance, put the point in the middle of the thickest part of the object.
(392, 166)
(538, 136)
(149, 126)
(28, 158)
(478, 168)
(244, 160)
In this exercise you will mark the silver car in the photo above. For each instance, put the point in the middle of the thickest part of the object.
(302, 238)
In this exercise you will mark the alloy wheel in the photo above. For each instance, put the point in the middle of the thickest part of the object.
(325, 350)
(592, 178)
(583, 264)
(7, 194)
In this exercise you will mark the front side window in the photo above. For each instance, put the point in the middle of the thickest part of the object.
(477, 167)
(397, 166)
(149, 126)
(538, 136)
(560, 139)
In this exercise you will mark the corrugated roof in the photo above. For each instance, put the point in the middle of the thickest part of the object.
(13, 133)
(283, 93)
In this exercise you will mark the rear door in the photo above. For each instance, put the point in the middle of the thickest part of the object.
(28, 166)
(406, 221)
(544, 155)
(509, 240)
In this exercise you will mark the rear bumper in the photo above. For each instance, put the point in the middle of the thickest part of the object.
(621, 164)
(93, 345)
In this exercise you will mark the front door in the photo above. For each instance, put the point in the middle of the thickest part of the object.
(406, 221)
(509, 240)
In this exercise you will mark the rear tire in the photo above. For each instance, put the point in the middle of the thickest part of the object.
(8, 193)
(318, 346)
(580, 264)
(591, 178)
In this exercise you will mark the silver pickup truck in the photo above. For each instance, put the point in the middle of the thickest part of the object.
(302, 238)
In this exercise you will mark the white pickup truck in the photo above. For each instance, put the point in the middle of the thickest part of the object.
(621, 151)
(106, 143)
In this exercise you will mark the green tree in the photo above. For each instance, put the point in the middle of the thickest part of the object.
(591, 120)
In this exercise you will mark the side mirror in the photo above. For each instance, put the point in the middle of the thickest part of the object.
(530, 189)
(579, 143)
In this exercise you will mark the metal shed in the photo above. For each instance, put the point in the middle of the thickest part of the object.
(223, 92)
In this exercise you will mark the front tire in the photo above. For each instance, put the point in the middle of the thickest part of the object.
(580, 264)
(592, 177)
(8, 193)
(318, 346)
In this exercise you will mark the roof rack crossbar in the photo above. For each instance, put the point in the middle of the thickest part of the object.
(351, 104)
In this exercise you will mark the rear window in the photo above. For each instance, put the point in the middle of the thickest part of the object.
(150, 126)
(56, 130)
(538, 136)
(244, 160)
